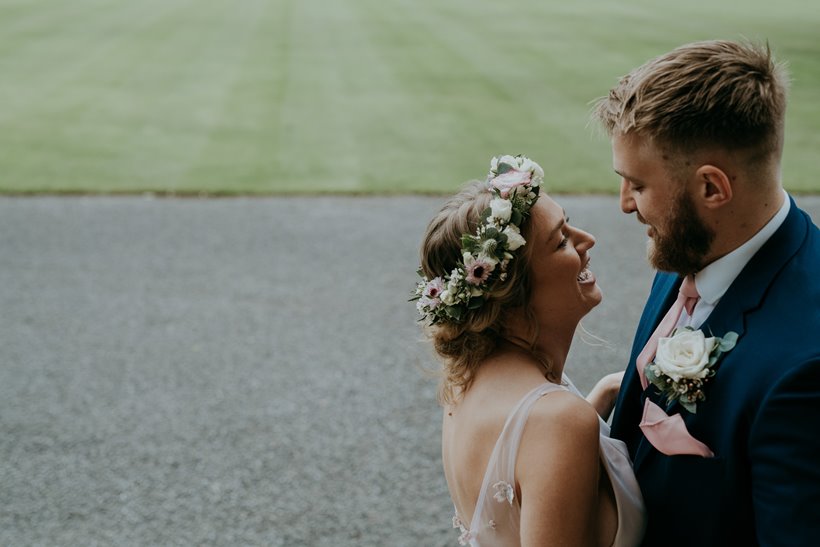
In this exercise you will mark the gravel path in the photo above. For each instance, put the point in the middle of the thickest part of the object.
(239, 371)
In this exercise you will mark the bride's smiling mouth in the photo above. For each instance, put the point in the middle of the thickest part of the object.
(586, 277)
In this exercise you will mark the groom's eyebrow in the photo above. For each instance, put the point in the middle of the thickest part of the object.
(626, 176)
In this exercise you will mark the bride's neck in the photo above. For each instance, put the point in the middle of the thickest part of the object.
(546, 338)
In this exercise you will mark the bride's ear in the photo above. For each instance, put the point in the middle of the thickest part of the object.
(715, 187)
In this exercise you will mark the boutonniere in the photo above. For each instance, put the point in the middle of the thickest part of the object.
(685, 362)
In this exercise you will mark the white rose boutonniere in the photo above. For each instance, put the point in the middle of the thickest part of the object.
(685, 362)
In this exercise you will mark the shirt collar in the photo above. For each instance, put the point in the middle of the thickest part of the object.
(714, 280)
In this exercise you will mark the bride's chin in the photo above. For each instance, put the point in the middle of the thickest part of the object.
(595, 298)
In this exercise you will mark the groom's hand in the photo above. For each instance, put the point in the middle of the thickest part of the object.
(603, 395)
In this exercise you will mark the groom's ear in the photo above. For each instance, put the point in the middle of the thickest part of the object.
(714, 186)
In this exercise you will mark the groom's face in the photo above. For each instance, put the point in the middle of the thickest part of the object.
(679, 240)
(683, 243)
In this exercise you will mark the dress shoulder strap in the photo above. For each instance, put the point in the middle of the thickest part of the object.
(496, 501)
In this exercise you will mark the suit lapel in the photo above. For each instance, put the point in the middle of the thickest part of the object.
(664, 293)
(664, 290)
(749, 288)
(745, 294)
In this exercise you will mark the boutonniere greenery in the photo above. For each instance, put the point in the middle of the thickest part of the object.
(685, 362)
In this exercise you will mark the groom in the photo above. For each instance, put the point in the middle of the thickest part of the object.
(697, 139)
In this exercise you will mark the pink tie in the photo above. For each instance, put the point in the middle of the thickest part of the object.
(687, 298)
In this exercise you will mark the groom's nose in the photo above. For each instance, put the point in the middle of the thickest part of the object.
(627, 203)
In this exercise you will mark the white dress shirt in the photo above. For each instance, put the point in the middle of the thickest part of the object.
(714, 280)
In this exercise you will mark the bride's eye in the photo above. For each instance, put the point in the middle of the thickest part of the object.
(563, 243)
(564, 238)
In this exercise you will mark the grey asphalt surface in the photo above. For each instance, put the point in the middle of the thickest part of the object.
(240, 371)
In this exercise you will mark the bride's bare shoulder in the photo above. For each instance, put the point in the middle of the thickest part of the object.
(564, 409)
(557, 470)
(562, 424)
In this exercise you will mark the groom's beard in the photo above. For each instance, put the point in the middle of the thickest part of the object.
(684, 242)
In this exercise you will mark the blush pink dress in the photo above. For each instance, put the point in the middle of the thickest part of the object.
(497, 514)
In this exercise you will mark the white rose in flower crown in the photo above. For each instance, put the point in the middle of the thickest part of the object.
(685, 354)
(514, 237)
(509, 160)
(501, 209)
(539, 174)
(526, 164)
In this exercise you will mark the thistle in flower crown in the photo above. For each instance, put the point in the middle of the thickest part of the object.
(515, 181)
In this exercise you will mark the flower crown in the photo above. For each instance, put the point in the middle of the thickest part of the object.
(515, 181)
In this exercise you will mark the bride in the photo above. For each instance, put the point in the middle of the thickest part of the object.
(505, 282)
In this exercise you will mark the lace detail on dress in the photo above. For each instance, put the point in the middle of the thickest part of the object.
(465, 536)
(504, 492)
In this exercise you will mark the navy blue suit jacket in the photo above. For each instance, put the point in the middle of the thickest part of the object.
(761, 416)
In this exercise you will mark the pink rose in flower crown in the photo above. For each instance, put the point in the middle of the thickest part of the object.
(506, 182)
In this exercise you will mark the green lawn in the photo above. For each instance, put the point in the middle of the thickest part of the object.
(284, 96)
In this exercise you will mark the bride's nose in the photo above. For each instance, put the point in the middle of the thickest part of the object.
(584, 241)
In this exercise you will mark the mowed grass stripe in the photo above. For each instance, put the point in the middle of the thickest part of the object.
(81, 112)
(49, 59)
(803, 114)
(149, 109)
(444, 94)
(243, 149)
(319, 117)
(283, 96)
(560, 95)
(147, 116)
(214, 46)
(523, 69)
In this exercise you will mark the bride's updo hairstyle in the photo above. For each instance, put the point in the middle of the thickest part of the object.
(464, 342)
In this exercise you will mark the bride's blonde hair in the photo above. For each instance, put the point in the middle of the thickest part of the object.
(463, 346)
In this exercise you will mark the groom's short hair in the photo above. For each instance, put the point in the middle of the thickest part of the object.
(703, 95)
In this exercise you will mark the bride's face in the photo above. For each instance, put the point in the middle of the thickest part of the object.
(563, 286)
